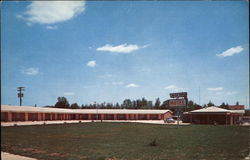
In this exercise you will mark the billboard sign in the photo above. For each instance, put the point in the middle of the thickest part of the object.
(179, 94)
(177, 102)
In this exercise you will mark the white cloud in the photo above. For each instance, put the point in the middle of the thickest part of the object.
(170, 87)
(117, 83)
(215, 89)
(51, 27)
(175, 88)
(132, 85)
(51, 12)
(91, 63)
(123, 48)
(231, 51)
(69, 93)
(30, 71)
(180, 89)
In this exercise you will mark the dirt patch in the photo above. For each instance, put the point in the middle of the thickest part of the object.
(95, 135)
(37, 151)
(55, 154)
(111, 158)
(27, 149)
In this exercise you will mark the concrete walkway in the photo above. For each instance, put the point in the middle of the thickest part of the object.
(8, 156)
(5, 124)
(26, 123)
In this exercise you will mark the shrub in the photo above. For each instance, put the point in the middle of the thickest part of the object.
(153, 143)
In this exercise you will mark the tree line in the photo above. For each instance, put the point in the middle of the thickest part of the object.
(142, 103)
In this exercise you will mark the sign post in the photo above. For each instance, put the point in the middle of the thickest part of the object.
(180, 101)
(178, 118)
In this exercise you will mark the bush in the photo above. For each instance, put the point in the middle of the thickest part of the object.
(153, 143)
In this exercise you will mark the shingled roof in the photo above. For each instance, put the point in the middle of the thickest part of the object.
(214, 109)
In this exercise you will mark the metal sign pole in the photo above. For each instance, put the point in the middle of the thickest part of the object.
(178, 117)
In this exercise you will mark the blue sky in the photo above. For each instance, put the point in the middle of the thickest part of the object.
(109, 51)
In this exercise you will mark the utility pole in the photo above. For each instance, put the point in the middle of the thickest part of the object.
(20, 94)
(199, 96)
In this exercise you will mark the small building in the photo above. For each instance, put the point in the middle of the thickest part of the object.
(26, 113)
(213, 115)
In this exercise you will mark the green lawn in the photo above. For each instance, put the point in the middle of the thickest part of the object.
(129, 141)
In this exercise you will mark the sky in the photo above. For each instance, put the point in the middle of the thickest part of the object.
(108, 51)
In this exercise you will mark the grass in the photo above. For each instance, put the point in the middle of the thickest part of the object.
(126, 141)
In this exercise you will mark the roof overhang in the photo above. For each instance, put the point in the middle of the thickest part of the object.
(22, 109)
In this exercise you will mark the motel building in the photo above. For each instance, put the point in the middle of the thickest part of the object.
(27, 113)
(213, 115)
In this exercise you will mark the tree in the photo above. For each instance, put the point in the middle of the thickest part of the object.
(109, 105)
(127, 103)
(74, 106)
(237, 103)
(157, 103)
(83, 106)
(224, 106)
(62, 102)
(138, 104)
(117, 105)
(190, 104)
(165, 105)
(144, 103)
(197, 106)
(134, 104)
(150, 104)
(210, 104)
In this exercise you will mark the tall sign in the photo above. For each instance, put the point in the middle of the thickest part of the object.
(179, 94)
(179, 100)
